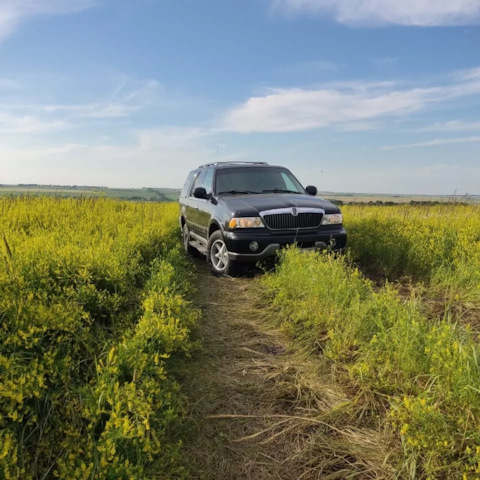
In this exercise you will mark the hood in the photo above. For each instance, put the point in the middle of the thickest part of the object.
(251, 205)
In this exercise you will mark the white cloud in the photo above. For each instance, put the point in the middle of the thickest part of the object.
(28, 124)
(132, 165)
(162, 165)
(433, 143)
(358, 126)
(170, 137)
(296, 109)
(14, 12)
(122, 153)
(9, 84)
(126, 100)
(469, 74)
(453, 126)
(288, 110)
(156, 157)
(430, 179)
(423, 13)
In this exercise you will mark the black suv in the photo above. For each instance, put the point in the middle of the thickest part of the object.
(245, 211)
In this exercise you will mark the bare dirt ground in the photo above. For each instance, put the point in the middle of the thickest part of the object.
(261, 409)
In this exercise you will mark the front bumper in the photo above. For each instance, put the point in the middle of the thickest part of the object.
(238, 242)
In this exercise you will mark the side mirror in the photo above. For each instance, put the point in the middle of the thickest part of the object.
(311, 190)
(200, 192)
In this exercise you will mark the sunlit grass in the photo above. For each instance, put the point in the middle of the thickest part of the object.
(92, 304)
(423, 369)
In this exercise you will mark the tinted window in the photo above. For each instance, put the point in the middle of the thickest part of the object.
(188, 184)
(207, 180)
(256, 180)
(288, 181)
(198, 181)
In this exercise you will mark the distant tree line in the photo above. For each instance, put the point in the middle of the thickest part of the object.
(73, 187)
(389, 203)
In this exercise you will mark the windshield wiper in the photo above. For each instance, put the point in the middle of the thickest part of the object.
(236, 191)
(278, 190)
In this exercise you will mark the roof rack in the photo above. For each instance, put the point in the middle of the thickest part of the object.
(214, 164)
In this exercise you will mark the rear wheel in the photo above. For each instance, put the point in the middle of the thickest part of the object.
(217, 255)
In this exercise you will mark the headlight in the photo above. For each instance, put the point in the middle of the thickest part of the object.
(246, 222)
(332, 219)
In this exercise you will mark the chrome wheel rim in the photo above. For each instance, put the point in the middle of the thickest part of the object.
(219, 255)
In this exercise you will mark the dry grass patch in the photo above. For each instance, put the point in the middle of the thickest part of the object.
(261, 408)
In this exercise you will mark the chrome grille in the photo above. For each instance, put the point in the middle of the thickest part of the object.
(286, 221)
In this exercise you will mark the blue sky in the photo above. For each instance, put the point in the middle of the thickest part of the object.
(351, 95)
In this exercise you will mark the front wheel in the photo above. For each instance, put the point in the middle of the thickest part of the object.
(217, 255)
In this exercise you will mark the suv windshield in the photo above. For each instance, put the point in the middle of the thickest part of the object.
(256, 180)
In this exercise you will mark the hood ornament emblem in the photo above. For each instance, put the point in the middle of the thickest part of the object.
(294, 212)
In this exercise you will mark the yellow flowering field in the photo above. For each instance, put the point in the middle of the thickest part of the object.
(416, 368)
(93, 302)
(438, 245)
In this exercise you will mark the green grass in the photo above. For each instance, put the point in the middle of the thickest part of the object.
(93, 310)
(436, 246)
(422, 373)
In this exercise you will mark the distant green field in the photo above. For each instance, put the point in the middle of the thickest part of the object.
(135, 194)
(172, 194)
(382, 197)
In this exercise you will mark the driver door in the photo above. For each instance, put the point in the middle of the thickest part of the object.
(194, 205)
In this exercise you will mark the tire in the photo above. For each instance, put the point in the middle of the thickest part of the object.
(217, 256)
(189, 250)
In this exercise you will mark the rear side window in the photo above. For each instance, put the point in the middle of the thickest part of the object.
(198, 182)
(208, 180)
(188, 184)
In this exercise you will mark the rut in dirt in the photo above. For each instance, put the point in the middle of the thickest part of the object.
(258, 407)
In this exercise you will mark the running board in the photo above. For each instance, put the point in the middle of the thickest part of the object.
(198, 238)
(199, 246)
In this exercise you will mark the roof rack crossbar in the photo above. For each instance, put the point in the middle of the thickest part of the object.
(214, 164)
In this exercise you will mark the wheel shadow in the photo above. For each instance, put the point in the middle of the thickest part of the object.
(245, 270)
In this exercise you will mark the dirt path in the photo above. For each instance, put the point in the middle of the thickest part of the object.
(259, 409)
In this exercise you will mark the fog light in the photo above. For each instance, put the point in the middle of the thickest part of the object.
(253, 246)
(321, 245)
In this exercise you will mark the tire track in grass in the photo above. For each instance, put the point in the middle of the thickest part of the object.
(258, 408)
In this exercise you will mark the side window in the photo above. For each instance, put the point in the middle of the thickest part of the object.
(208, 180)
(188, 184)
(198, 182)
